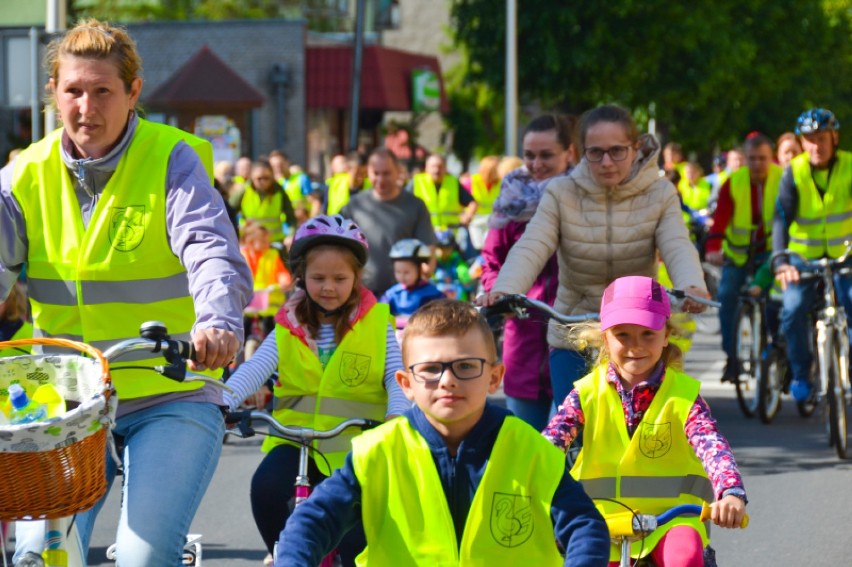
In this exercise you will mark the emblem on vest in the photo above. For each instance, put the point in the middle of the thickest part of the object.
(126, 227)
(655, 439)
(354, 368)
(511, 519)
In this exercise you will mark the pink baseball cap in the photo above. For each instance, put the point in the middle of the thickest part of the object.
(635, 299)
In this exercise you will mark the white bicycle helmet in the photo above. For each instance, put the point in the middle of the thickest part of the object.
(410, 249)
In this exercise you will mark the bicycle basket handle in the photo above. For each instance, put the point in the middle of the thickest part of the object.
(73, 345)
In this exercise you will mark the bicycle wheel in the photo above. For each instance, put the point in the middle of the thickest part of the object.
(836, 398)
(770, 383)
(748, 347)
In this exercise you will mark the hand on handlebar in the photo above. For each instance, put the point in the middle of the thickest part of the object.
(214, 348)
(690, 306)
(728, 512)
(786, 274)
(715, 258)
(489, 299)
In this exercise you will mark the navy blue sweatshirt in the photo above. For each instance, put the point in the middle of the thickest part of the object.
(317, 525)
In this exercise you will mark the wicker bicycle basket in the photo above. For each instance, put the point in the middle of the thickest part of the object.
(56, 468)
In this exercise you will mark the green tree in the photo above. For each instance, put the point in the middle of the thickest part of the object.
(713, 71)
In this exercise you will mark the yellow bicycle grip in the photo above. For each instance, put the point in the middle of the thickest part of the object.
(707, 511)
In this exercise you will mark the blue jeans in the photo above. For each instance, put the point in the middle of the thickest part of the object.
(170, 453)
(535, 412)
(796, 323)
(733, 278)
(566, 367)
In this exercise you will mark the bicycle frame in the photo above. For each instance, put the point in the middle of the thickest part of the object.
(302, 436)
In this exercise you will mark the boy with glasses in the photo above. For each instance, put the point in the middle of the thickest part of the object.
(508, 498)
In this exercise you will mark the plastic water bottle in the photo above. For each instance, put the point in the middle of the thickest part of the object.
(24, 410)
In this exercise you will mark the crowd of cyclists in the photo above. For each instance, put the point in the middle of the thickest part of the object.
(351, 297)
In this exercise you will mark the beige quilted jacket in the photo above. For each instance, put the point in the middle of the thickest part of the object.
(601, 235)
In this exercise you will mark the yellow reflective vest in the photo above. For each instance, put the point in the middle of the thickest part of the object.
(98, 284)
(349, 386)
(694, 196)
(738, 233)
(25, 332)
(406, 517)
(265, 210)
(652, 471)
(339, 192)
(265, 278)
(822, 223)
(483, 196)
(293, 188)
(443, 204)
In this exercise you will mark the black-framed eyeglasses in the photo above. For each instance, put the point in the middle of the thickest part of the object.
(616, 153)
(463, 369)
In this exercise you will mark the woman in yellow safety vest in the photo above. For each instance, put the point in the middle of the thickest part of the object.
(335, 351)
(118, 223)
(643, 422)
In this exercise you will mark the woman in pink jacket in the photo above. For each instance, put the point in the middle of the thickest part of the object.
(549, 152)
(605, 220)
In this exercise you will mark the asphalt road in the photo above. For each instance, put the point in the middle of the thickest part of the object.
(798, 490)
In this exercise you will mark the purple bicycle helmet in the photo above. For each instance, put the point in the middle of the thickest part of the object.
(329, 229)
(816, 120)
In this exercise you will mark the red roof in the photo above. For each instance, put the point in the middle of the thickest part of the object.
(385, 79)
(206, 80)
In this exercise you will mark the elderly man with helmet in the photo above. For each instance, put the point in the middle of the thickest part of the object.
(813, 217)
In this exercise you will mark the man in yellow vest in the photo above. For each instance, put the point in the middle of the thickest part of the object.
(344, 185)
(814, 219)
(449, 206)
(455, 480)
(742, 224)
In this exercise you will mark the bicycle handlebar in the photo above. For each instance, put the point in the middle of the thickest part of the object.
(302, 435)
(631, 524)
(812, 268)
(520, 304)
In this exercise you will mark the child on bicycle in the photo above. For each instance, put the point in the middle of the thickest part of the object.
(412, 289)
(336, 357)
(455, 478)
(271, 278)
(643, 420)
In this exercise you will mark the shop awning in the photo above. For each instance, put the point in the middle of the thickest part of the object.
(386, 83)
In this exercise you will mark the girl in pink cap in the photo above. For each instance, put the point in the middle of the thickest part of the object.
(649, 441)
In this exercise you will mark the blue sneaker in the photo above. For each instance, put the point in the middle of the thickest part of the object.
(801, 389)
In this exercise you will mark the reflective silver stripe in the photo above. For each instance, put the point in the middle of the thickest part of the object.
(650, 487)
(303, 404)
(805, 221)
(807, 241)
(837, 241)
(599, 487)
(135, 291)
(330, 407)
(742, 231)
(54, 292)
(341, 444)
(64, 292)
(666, 487)
(51, 349)
(735, 248)
(836, 217)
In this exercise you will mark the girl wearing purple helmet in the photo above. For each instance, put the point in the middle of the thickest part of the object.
(333, 348)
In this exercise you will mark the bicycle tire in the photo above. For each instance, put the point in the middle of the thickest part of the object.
(770, 384)
(838, 432)
(747, 347)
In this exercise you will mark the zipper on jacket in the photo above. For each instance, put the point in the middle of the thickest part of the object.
(609, 236)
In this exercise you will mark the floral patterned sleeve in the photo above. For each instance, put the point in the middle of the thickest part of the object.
(565, 425)
(712, 448)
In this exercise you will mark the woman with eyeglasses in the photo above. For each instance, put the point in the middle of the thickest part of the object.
(605, 220)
